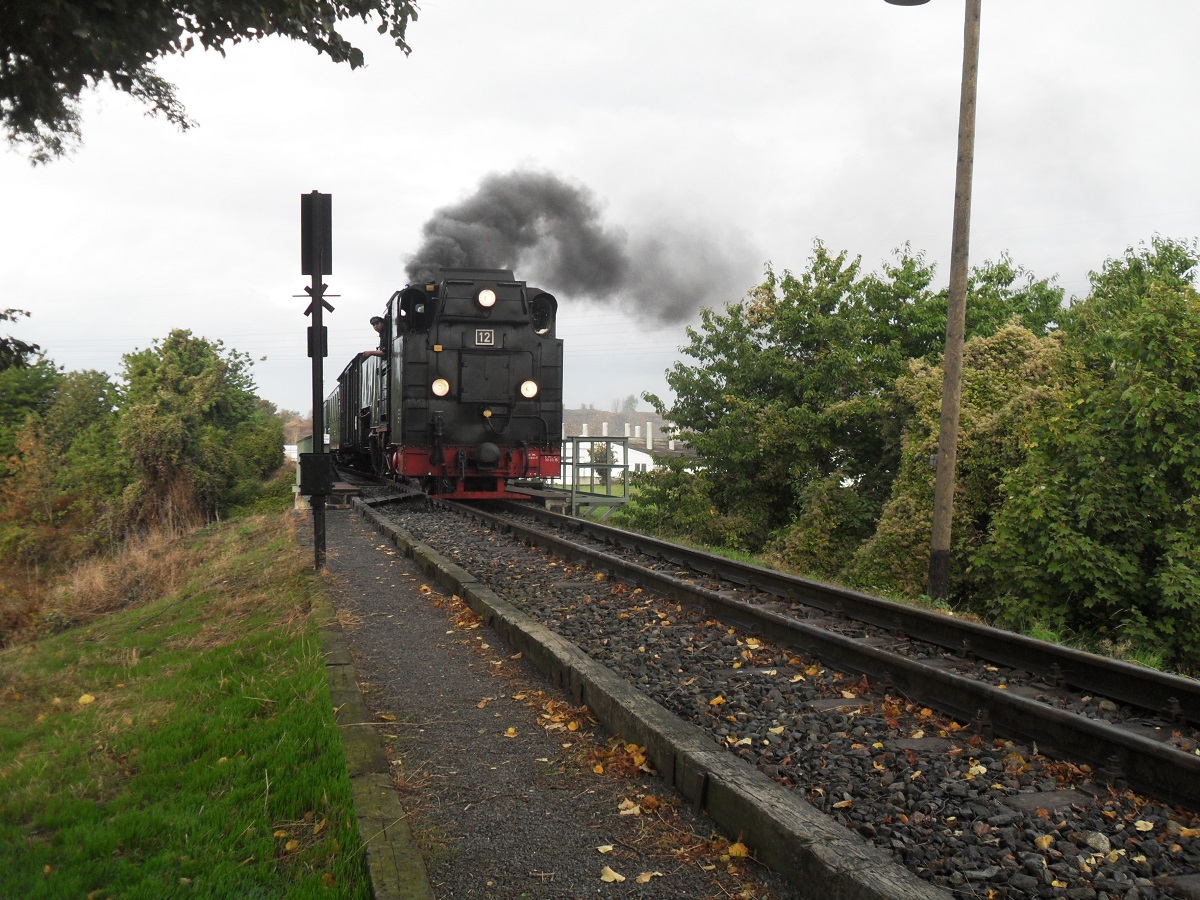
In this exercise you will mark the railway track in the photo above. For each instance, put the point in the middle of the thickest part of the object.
(1137, 725)
(864, 743)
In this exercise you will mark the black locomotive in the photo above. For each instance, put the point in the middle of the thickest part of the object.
(466, 393)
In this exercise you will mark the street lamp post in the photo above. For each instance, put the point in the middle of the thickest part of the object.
(956, 308)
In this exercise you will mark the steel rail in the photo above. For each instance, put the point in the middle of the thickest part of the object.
(1149, 689)
(1115, 754)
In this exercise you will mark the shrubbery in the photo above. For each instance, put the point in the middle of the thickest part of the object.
(814, 407)
(180, 440)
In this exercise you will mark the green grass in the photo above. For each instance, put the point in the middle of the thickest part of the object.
(208, 746)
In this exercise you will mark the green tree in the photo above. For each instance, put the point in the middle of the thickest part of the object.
(1099, 530)
(57, 503)
(1008, 378)
(790, 399)
(27, 382)
(194, 430)
(52, 51)
(13, 351)
(27, 387)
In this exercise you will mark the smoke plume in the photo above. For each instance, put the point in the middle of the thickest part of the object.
(552, 235)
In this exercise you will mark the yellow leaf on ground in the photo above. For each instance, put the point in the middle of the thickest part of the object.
(717, 701)
(512, 732)
(291, 845)
(629, 808)
(280, 833)
(319, 827)
(842, 804)
(572, 726)
(86, 699)
(328, 880)
(607, 874)
(926, 713)
(598, 769)
(739, 849)
(605, 848)
(387, 717)
(646, 876)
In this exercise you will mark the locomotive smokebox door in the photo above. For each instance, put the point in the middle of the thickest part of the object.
(316, 474)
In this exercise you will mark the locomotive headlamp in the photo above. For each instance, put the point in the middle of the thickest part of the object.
(529, 389)
(441, 387)
(486, 298)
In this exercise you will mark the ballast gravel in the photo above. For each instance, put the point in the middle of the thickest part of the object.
(978, 816)
(503, 796)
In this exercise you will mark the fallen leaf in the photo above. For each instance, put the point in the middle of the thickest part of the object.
(717, 701)
(387, 717)
(605, 848)
(738, 850)
(842, 804)
(86, 699)
(328, 880)
(1043, 841)
(607, 874)
(280, 833)
(598, 769)
(629, 808)
(646, 876)
(291, 845)
(1143, 825)
(511, 733)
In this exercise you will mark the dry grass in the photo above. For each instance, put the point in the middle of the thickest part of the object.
(155, 565)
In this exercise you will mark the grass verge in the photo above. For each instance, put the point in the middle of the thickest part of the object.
(182, 746)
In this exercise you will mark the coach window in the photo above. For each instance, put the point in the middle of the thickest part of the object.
(541, 313)
(414, 311)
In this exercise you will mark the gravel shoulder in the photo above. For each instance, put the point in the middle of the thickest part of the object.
(510, 789)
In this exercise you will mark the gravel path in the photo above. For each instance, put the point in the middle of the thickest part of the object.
(498, 770)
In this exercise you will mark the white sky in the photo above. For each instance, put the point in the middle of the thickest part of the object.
(761, 126)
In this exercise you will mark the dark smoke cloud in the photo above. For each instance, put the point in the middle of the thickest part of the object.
(551, 234)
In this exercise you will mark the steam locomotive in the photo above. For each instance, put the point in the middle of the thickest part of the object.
(466, 392)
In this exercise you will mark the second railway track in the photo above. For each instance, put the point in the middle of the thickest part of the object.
(980, 811)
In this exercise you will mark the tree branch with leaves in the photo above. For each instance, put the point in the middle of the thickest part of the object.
(52, 51)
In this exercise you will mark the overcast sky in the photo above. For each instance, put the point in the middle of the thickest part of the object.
(736, 134)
